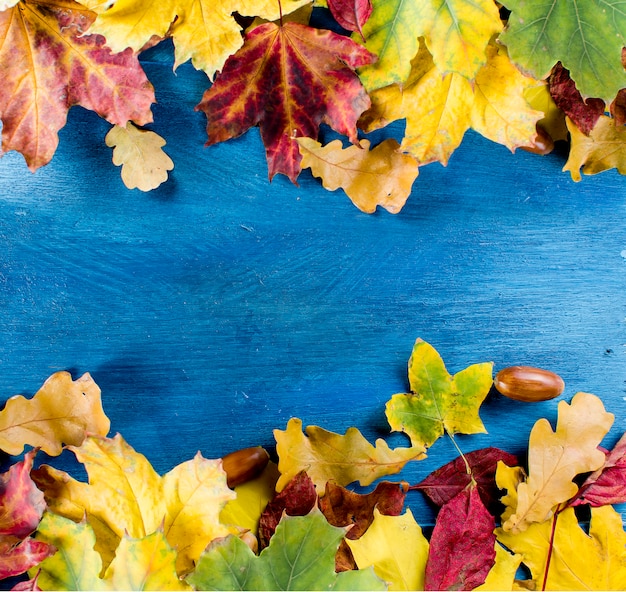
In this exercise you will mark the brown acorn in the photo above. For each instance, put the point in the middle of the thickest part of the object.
(244, 465)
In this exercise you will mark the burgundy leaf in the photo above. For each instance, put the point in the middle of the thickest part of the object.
(296, 499)
(584, 114)
(21, 503)
(607, 485)
(351, 14)
(450, 479)
(462, 544)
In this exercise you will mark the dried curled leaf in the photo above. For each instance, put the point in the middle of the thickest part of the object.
(382, 176)
(139, 152)
(63, 411)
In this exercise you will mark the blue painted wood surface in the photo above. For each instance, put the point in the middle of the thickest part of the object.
(215, 308)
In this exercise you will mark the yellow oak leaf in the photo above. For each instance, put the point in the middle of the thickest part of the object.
(203, 30)
(62, 411)
(455, 31)
(604, 148)
(556, 457)
(502, 575)
(439, 108)
(382, 176)
(579, 561)
(125, 495)
(553, 121)
(139, 152)
(327, 456)
(396, 548)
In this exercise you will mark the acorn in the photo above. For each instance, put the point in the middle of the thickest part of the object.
(244, 465)
(525, 383)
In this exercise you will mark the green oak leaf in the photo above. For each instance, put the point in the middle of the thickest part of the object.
(439, 401)
(300, 556)
(586, 36)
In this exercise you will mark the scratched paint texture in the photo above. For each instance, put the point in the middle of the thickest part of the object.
(215, 308)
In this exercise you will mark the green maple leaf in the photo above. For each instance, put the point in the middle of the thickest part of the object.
(586, 36)
(300, 556)
(439, 402)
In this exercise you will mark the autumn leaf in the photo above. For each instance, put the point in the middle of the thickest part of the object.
(604, 148)
(139, 152)
(439, 402)
(351, 14)
(287, 80)
(440, 108)
(553, 120)
(502, 575)
(48, 64)
(301, 556)
(62, 411)
(19, 555)
(586, 37)
(327, 456)
(396, 548)
(126, 496)
(456, 33)
(555, 458)
(382, 176)
(606, 485)
(452, 478)
(593, 561)
(462, 549)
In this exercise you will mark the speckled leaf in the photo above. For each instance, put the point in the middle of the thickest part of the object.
(48, 63)
(287, 80)
(439, 402)
(396, 548)
(140, 153)
(603, 149)
(585, 36)
(63, 411)
(327, 456)
(382, 176)
(301, 556)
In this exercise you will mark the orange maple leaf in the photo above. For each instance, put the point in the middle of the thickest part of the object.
(287, 80)
(48, 64)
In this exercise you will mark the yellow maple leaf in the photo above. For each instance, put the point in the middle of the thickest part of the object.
(396, 548)
(327, 456)
(556, 457)
(203, 30)
(62, 411)
(144, 164)
(439, 108)
(579, 561)
(126, 495)
(604, 148)
(382, 176)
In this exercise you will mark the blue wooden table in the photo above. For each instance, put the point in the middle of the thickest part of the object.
(215, 308)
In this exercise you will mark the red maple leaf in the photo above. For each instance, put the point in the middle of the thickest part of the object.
(351, 14)
(287, 79)
(48, 64)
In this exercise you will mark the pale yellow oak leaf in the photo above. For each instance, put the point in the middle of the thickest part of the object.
(194, 493)
(579, 561)
(61, 412)
(507, 480)
(502, 575)
(382, 176)
(139, 152)
(603, 149)
(329, 456)
(396, 548)
(556, 457)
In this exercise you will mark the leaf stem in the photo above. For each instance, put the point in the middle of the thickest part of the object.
(551, 546)
(280, 12)
(468, 469)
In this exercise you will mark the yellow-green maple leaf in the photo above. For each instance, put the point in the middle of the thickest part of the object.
(438, 401)
(203, 30)
(126, 495)
(327, 456)
(61, 412)
(604, 148)
(579, 561)
(556, 457)
(440, 108)
(382, 176)
(396, 548)
(456, 32)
